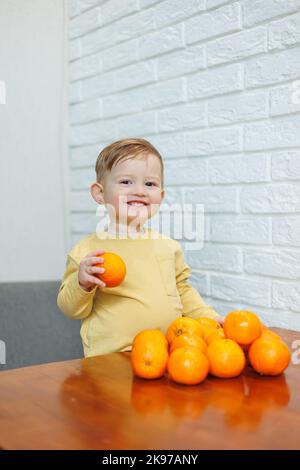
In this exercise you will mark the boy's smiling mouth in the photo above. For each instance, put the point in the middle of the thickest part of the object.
(137, 203)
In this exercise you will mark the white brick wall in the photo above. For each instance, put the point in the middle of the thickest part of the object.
(215, 85)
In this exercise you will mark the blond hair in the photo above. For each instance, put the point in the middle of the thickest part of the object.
(122, 150)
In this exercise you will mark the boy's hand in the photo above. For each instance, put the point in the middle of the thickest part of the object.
(87, 274)
(220, 320)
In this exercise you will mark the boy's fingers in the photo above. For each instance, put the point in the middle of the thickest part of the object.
(94, 269)
(95, 260)
(95, 280)
(94, 253)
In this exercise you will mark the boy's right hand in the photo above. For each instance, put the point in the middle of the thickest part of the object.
(87, 274)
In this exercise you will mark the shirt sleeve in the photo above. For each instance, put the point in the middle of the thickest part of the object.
(192, 302)
(72, 300)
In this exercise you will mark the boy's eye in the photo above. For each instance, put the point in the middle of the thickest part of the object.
(124, 181)
(151, 183)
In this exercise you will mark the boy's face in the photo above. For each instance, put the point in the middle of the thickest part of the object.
(132, 190)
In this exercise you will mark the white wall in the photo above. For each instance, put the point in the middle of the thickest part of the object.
(210, 83)
(33, 230)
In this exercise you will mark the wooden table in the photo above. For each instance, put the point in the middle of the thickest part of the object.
(96, 403)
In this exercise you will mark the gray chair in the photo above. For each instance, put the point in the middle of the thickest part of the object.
(32, 328)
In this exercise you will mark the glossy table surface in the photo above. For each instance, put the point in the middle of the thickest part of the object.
(96, 403)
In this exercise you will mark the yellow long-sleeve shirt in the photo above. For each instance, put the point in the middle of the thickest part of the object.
(154, 292)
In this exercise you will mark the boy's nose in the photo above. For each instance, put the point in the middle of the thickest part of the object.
(139, 191)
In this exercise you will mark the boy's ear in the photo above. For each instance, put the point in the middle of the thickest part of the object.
(96, 191)
(162, 194)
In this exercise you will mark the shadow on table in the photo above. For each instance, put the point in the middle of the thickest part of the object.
(243, 401)
(104, 391)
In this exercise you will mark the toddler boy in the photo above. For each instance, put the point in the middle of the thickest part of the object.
(155, 290)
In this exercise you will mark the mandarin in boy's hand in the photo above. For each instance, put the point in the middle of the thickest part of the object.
(115, 269)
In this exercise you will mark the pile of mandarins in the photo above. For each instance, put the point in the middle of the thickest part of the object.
(194, 348)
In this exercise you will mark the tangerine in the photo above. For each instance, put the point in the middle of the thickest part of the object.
(150, 360)
(226, 358)
(150, 336)
(268, 334)
(242, 326)
(183, 326)
(207, 331)
(209, 322)
(115, 269)
(268, 356)
(188, 366)
(182, 341)
(214, 335)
